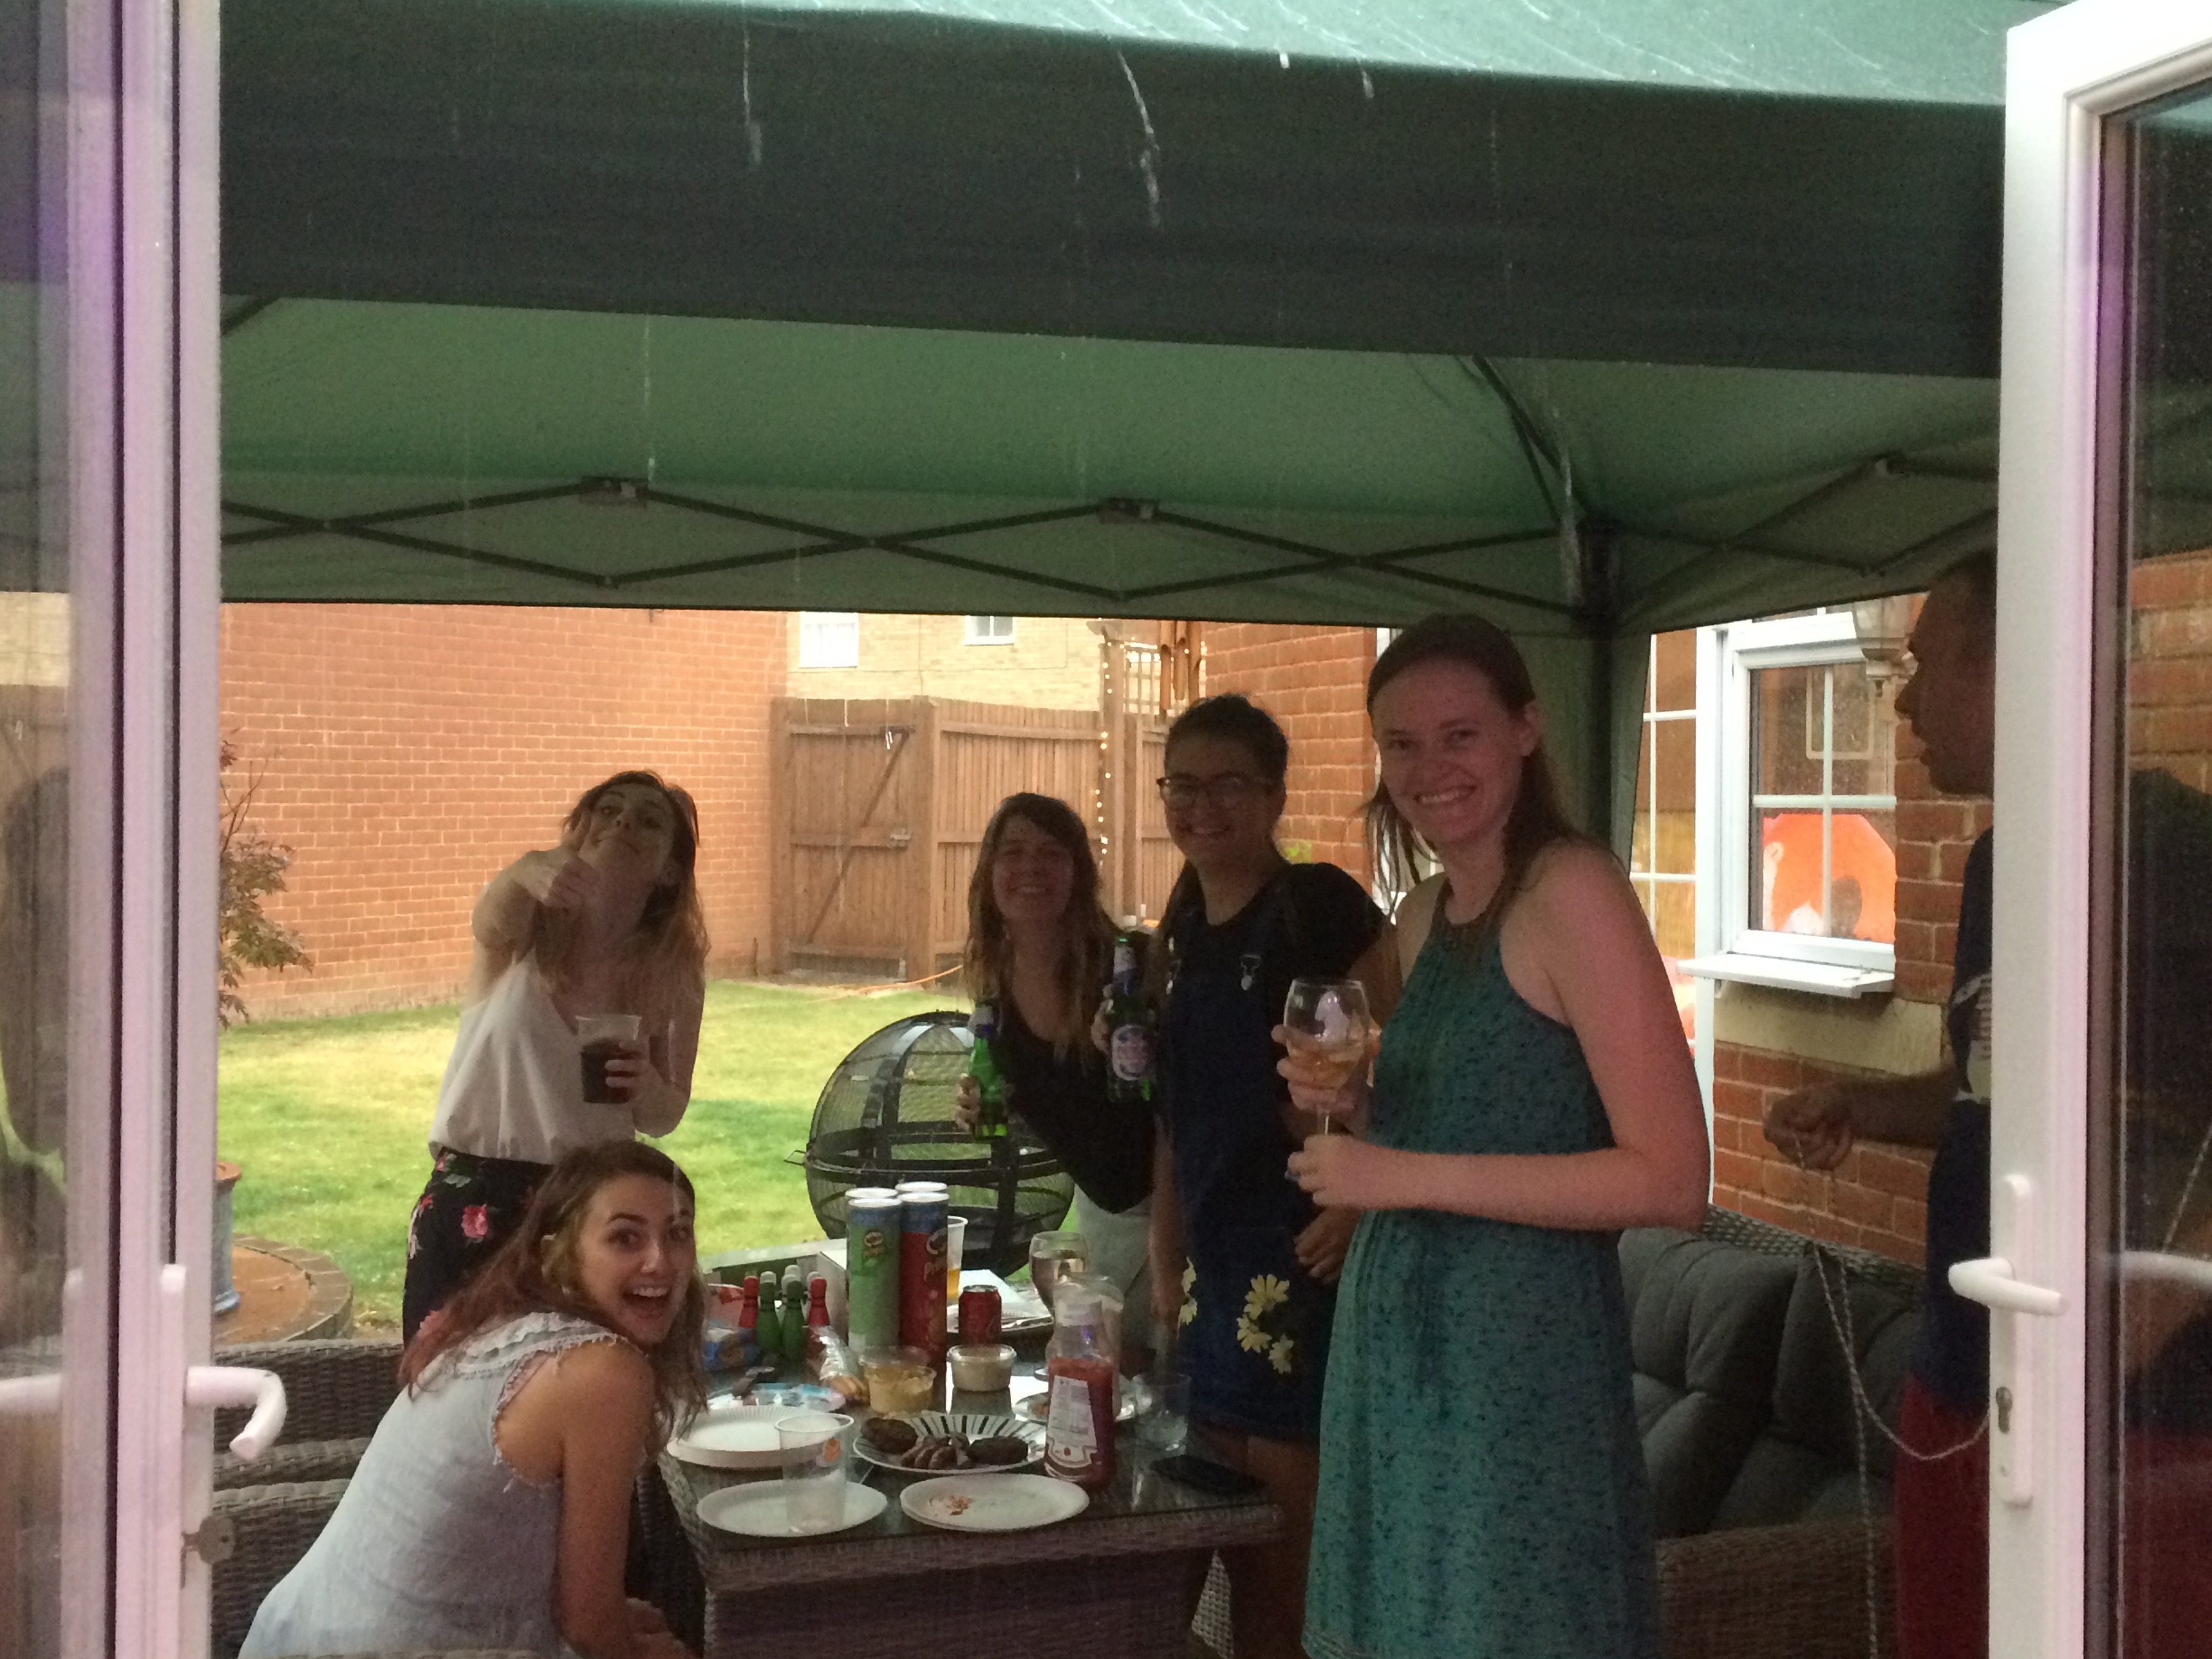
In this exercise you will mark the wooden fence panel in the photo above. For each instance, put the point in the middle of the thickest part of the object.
(881, 808)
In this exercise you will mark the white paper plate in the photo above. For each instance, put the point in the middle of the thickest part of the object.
(759, 1510)
(992, 1502)
(976, 1426)
(732, 1436)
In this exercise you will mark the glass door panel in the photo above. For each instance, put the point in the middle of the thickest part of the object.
(2149, 1521)
(57, 1113)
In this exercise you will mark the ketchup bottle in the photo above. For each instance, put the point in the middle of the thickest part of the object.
(1079, 1379)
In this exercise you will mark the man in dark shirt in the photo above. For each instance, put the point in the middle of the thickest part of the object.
(2160, 1121)
(1942, 1505)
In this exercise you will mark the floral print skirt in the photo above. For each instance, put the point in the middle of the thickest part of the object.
(468, 1208)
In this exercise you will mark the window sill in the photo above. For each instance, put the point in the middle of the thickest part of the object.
(1783, 974)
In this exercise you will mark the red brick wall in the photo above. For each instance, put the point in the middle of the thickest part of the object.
(406, 752)
(1314, 680)
(2170, 669)
(1877, 1197)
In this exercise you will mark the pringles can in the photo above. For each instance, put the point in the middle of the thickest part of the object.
(872, 1253)
(923, 1211)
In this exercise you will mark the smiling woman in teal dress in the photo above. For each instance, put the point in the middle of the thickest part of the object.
(1482, 1488)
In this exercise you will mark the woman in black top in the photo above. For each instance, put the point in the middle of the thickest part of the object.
(1039, 945)
(1241, 923)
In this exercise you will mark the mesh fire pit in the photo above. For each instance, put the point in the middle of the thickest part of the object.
(885, 1116)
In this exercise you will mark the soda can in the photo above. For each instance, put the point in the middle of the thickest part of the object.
(872, 1252)
(979, 1314)
(922, 1216)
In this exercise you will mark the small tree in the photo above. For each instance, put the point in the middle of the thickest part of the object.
(253, 868)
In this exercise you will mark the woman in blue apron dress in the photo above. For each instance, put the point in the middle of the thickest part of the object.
(1258, 1290)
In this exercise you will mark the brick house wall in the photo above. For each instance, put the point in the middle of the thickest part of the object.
(406, 752)
(1052, 662)
(1314, 681)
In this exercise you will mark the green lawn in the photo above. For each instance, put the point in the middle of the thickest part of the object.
(329, 1118)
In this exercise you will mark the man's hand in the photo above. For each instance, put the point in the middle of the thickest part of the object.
(1321, 1246)
(1814, 1127)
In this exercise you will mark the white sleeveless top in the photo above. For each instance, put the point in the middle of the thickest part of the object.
(514, 1085)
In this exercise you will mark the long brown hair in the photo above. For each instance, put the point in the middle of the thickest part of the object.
(664, 966)
(1537, 819)
(533, 1273)
(1086, 931)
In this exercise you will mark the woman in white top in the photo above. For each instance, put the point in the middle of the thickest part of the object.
(606, 922)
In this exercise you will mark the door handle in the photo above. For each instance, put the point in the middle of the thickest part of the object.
(1988, 1280)
(240, 1385)
(2014, 1347)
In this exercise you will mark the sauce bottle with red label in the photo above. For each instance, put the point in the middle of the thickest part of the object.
(1079, 1382)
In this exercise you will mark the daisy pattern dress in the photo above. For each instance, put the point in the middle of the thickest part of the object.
(1482, 1486)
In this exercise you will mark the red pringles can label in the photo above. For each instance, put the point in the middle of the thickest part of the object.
(979, 1314)
(922, 1216)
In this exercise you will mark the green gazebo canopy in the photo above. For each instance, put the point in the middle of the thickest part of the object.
(1603, 319)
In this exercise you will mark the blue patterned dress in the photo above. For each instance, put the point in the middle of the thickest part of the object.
(1482, 1486)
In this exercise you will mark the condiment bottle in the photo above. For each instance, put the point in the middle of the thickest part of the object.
(818, 1302)
(794, 1313)
(769, 1320)
(1079, 1377)
(749, 1321)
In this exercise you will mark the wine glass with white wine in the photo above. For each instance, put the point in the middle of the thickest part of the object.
(1330, 1030)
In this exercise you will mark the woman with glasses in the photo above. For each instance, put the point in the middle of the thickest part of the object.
(1241, 923)
(1039, 947)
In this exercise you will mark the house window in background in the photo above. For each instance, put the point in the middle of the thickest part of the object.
(828, 639)
(1663, 841)
(1804, 882)
(990, 630)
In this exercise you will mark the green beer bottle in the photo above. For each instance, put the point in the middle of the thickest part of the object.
(983, 1067)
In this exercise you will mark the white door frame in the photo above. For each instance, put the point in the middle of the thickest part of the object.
(2067, 72)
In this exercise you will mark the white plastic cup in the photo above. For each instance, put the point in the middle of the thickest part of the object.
(817, 1451)
(956, 1237)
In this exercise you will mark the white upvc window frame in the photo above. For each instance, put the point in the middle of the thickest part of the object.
(1729, 947)
(828, 639)
(982, 631)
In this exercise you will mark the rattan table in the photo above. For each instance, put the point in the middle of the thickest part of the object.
(1116, 1581)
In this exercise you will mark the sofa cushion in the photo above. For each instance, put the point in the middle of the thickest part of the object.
(1706, 1322)
(1804, 1462)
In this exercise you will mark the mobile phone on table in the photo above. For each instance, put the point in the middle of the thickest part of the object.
(1204, 1474)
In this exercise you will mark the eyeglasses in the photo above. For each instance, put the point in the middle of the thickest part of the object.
(1229, 789)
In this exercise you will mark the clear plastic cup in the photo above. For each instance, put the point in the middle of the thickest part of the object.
(1165, 1425)
(956, 1237)
(602, 1037)
(817, 1451)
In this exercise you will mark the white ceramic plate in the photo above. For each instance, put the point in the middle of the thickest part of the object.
(1135, 1396)
(759, 1510)
(976, 1426)
(732, 1436)
(992, 1502)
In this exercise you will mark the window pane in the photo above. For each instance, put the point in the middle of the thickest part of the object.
(1677, 797)
(828, 639)
(1860, 899)
(1864, 733)
(1787, 706)
(1674, 683)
